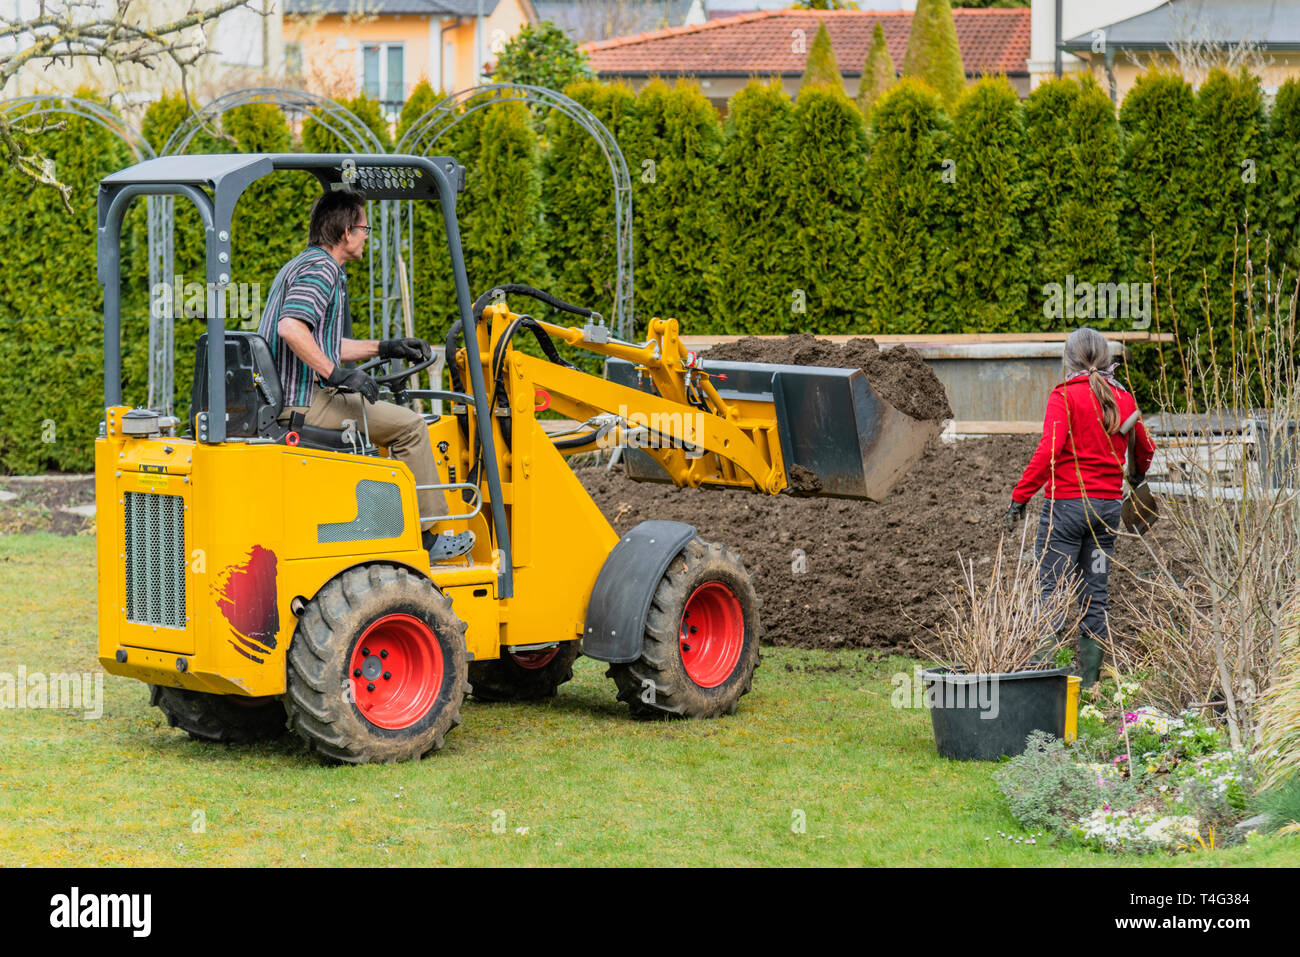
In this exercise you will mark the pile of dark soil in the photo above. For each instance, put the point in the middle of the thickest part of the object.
(836, 573)
(898, 375)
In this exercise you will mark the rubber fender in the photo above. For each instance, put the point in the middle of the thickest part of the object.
(620, 599)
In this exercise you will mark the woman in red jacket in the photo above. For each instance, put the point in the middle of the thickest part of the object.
(1080, 461)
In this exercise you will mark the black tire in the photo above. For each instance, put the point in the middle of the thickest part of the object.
(226, 719)
(517, 678)
(658, 684)
(391, 607)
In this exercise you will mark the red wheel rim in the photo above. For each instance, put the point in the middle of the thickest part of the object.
(396, 671)
(535, 660)
(712, 634)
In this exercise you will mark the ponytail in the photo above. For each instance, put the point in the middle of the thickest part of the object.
(1106, 399)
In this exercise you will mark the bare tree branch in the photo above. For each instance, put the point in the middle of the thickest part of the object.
(62, 31)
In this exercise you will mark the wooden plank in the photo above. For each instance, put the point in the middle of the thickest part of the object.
(972, 427)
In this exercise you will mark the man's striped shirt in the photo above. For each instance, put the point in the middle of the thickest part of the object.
(312, 288)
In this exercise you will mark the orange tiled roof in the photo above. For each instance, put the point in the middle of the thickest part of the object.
(991, 41)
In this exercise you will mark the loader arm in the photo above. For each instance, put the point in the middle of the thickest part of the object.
(697, 423)
(708, 441)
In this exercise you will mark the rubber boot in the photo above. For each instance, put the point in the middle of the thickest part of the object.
(1090, 654)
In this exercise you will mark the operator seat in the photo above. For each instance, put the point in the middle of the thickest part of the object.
(254, 396)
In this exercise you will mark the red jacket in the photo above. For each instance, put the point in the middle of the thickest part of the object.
(1075, 456)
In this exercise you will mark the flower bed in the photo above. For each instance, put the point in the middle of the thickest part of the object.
(1136, 781)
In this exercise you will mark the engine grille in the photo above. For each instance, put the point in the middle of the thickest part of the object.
(155, 559)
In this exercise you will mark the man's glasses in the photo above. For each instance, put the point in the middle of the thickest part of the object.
(366, 228)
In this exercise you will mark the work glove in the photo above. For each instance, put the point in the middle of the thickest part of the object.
(1015, 512)
(354, 381)
(412, 350)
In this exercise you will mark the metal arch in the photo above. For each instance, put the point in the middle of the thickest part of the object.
(86, 109)
(356, 137)
(421, 136)
(158, 213)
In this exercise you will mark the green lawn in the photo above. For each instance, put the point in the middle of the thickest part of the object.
(816, 741)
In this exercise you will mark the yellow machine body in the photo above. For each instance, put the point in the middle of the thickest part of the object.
(244, 523)
(246, 519)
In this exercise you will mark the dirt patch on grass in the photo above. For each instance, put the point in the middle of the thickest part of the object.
(836, 573)
(898, 375)
(38, 506)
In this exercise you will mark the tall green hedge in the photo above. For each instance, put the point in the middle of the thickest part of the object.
(51, 307)
(1071, 163)
(792, 217)
(674, 199)
(757, 280)
(988, 250)
(826, 183)
(909, 188)
(1231, 132)
(1160, 169)
(578, 196)
(1281, 179)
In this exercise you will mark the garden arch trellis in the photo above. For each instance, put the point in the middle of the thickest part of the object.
(395, 217)
(337, 119)
(421, 136)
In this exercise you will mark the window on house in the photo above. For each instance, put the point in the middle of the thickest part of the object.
(383, 75)
(293, 59)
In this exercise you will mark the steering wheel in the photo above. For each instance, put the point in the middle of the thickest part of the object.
(394, 380)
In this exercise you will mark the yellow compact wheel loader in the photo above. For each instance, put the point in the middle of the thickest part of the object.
(261, 577)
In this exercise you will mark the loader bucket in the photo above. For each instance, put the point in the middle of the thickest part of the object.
(830, 422)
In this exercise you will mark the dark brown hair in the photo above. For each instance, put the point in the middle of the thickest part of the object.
(1086, 350)
(333, 214)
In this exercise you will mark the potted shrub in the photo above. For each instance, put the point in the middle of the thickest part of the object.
(998, 675)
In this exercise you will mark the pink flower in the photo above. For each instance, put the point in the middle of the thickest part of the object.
(1121, 759)
(1130, 717)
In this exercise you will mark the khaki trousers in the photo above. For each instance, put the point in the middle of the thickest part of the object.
(401, 430)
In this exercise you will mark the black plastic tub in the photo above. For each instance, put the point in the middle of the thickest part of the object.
(985, 717)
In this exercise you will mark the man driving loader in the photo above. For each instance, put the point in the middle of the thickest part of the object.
(306, 309)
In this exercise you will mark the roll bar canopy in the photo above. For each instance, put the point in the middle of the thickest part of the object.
(214, 183)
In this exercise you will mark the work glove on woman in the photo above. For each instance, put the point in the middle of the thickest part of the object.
(412, 350)
(1015, 512)
(354, 381)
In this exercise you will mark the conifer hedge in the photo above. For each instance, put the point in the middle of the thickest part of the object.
(578, 198)
(794, 216)
(1071, 165)
(674, 199)
(1281, 184)
(988, 251)
(828, 140)
(909, 188)
(51, 307)
(1159, 166)
(756, 278)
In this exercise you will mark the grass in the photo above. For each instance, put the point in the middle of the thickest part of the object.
(817, 742)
